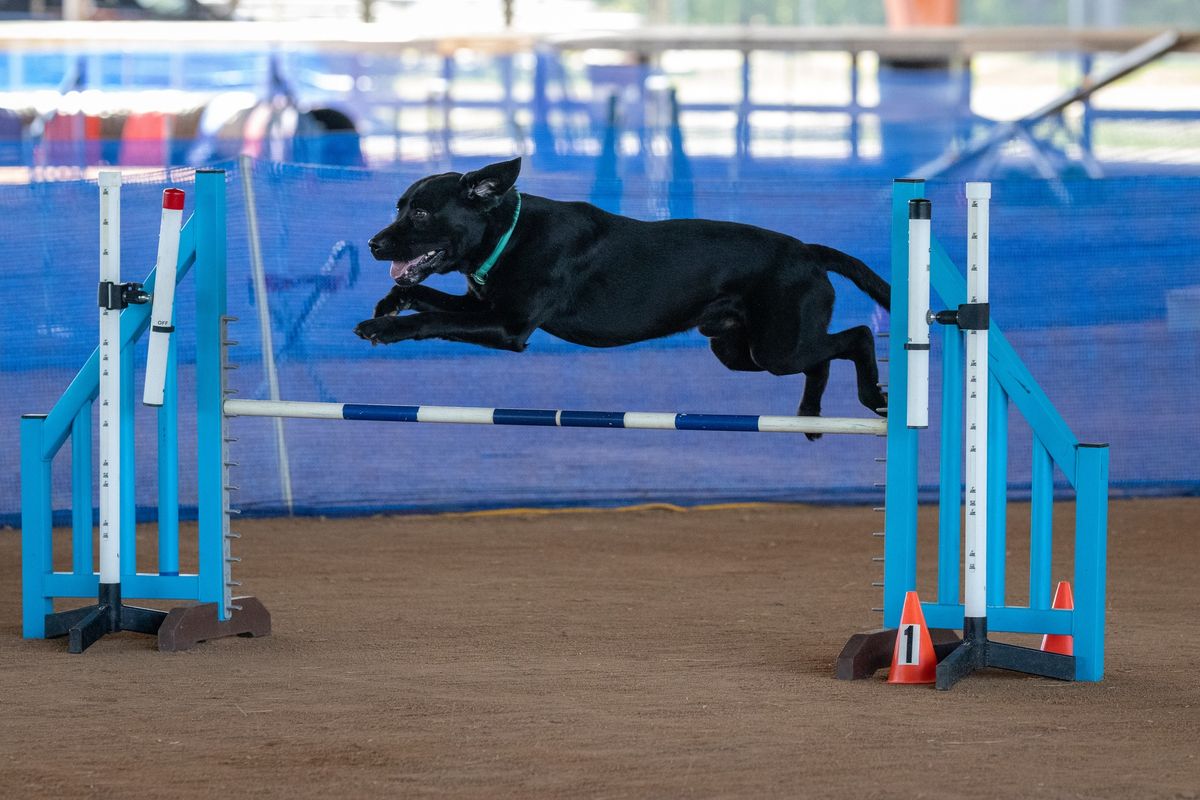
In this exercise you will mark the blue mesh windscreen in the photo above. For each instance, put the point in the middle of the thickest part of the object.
(1097, 284)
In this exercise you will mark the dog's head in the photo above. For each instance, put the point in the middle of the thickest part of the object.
(445, 223)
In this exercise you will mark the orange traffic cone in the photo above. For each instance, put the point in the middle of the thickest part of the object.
(913, 660)
(1061, 643)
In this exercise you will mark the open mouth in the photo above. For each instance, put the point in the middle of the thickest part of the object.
(408, 272)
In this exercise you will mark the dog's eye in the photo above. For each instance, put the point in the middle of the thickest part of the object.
(419, 213)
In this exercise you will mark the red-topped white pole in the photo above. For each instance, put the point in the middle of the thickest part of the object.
(161, 326)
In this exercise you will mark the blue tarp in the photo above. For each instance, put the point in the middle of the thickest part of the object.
(1094, 281)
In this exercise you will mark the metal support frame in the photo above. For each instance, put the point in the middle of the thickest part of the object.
(213, 613)
(1131, 61)
(1085, 467)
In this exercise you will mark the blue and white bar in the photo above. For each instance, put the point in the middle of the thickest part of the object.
(669, 421)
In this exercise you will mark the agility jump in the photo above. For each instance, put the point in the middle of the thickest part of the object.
(216, 612)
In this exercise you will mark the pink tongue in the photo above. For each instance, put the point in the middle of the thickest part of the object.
(398, 269)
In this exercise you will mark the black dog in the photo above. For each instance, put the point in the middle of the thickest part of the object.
(598, 279)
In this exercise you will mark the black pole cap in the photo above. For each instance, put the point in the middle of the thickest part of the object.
(920, 208)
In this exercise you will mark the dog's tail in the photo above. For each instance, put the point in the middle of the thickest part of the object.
(859, 273)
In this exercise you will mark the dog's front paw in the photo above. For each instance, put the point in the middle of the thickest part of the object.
(380, 330)
(393, 303)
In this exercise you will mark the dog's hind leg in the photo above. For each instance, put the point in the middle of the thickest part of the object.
(815, 380)
(814, 352)
(732, 347)
(859, 347)
(786, 340)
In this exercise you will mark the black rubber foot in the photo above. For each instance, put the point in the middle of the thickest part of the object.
(867, 653)
(85, 626)
(976, 652)
(187, 626)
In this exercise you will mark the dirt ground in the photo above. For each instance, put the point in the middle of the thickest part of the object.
(610, 654)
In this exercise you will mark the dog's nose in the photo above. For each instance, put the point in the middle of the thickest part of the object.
(375, 244)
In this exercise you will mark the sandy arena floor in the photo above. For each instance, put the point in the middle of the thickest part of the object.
(612, 654)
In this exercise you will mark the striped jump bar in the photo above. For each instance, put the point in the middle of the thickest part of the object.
(549, 418)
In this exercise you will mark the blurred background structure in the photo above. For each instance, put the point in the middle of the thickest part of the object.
(822, 84)
(791, 114)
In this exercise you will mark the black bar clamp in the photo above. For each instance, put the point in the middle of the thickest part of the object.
(115, 296)
(968, 317)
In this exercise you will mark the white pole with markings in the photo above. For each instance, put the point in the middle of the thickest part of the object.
(978, 199)
(110, 380)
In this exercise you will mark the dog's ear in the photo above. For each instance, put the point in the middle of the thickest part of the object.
(491, 182)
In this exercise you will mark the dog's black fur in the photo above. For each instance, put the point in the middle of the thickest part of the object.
(597, 279)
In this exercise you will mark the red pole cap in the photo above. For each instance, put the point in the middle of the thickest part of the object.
(173, 199)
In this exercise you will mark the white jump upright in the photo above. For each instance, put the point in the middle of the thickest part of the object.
(110, 379)
(973, 317)
(978, 200)
(83, 626)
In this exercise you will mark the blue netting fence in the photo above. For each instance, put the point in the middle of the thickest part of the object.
(1097, 283)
